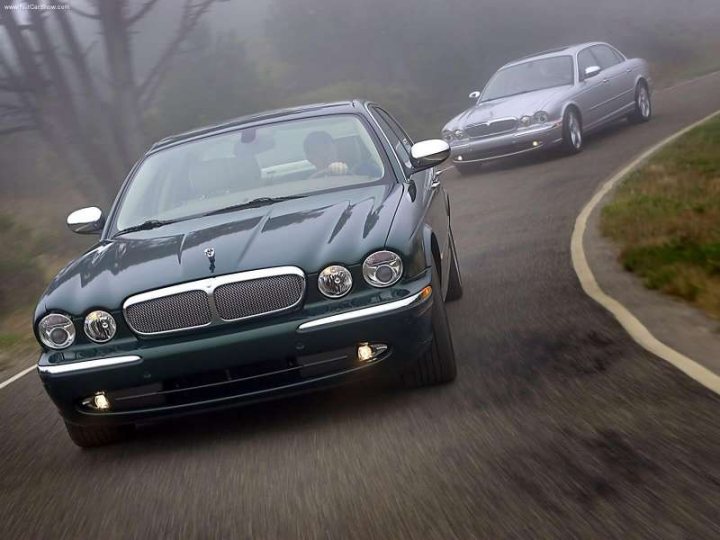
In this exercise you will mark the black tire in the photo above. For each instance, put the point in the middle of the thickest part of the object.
(93, 436)
(573, 137)
(455, 287)
(643, 105)
(437, 364)
(467, 169)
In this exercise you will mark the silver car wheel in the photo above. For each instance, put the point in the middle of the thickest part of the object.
(643, 101)
(575, 130)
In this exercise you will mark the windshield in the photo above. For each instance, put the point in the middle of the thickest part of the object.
(285, 159)
(530, 76)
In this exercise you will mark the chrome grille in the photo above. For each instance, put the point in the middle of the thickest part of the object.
(188, 309)
(215, 300)
(491, 128)
(245, 299)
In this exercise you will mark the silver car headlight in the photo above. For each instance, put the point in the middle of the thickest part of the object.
(335, 281)
(526, 121)
(100, 326)
(540, 117)
(447, 135)
(56, 331)
(459, 134)
(382, 269)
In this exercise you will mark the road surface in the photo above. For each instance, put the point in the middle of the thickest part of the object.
(559, 425)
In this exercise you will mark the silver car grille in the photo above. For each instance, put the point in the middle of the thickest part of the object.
(488, 129)
(216, 300)
(244, 299)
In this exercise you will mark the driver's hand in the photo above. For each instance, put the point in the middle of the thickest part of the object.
(338, 168)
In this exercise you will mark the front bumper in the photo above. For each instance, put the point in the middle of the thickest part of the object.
(194, 373)
(507, 144)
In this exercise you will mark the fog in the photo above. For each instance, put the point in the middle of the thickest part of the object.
(420, 58)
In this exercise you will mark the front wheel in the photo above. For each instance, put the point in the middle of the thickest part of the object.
(572, 142)
(437, 364)
(455, 286)
(643, 105)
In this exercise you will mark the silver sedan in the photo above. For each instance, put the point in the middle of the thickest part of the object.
(550, 99)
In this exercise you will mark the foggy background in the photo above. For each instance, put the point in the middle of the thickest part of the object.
(72, 121)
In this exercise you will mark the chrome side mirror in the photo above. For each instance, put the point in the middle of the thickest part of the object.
(426, 154)
(88, 220)
(591, 71)
(474, 94)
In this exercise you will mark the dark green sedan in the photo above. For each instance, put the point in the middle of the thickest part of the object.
(259, 258)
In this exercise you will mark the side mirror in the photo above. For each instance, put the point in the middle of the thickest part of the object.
(474, 94)
(426, 154)
(591, 71)
(86, 221)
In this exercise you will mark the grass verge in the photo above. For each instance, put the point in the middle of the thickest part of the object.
(666, 219)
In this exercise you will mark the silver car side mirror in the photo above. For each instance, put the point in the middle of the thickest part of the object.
(426, 154)
(474, 94)
(591, 71)
(88, 220)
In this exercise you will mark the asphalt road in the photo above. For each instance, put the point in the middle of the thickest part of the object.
(557, 426)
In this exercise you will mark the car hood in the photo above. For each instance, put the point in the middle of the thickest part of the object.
(311, 232)
(512, 106)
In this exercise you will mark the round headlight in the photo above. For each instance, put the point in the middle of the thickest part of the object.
(447, 135)
(540, 117)
(525, 121)
(335, 281)
(382, 269)
(56, 331)
(459, 134)
(100, 326)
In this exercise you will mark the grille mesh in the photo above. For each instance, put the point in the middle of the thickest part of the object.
(182, 310)
(486, 130)
(249, 298)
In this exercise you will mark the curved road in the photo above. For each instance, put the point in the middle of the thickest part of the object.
(559, 425)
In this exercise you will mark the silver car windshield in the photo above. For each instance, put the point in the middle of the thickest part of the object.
(529, 77)
(286, 159)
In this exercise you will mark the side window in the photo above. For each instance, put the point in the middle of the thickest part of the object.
(398, 139)
(585, 60)
(605, 56)
(618, 55)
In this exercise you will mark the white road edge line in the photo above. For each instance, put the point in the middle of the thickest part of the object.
(16, 377)
(632, 325)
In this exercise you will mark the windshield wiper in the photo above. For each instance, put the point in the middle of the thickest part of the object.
(145, 226)
(254, 203)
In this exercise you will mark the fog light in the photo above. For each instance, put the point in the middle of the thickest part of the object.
(459, 158)
(367, 352)
(99, 402)
(535, 143)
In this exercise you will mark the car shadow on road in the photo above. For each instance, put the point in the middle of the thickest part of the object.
(292, 415)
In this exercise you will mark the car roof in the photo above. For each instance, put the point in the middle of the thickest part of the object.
(559, 51)
(303, 111)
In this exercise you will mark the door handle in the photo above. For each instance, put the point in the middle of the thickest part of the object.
(606, 81)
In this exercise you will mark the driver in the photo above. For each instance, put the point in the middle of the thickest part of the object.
(321, 151)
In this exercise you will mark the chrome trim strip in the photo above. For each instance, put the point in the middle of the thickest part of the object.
(89, 364)
(209, 285)
(360, 313)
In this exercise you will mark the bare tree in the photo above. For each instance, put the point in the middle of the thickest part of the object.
(48, 84)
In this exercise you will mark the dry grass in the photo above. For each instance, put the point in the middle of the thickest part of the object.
(666, 219)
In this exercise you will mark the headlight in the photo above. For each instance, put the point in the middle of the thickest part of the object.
(540, 117)
(335, 281)
(447, 135)
(100, 326)
(459, 134)
(382, 269)
(525, 121)
(56, 331)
